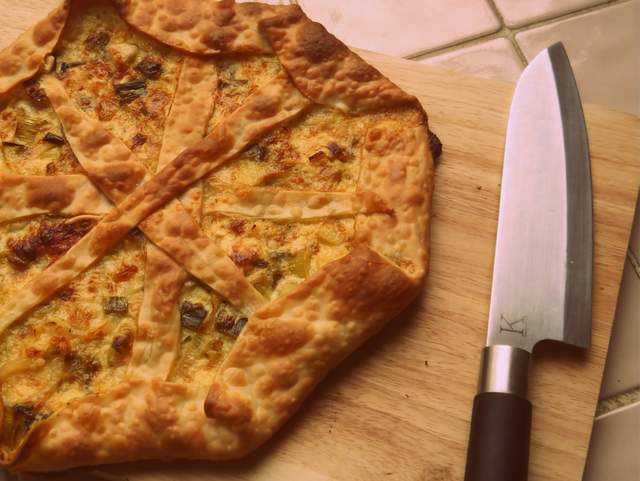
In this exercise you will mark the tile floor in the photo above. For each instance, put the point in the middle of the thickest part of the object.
(496, 39)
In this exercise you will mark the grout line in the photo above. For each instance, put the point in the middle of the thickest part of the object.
(567, 15)
(507, 32)
(430, 52)
(617, 401)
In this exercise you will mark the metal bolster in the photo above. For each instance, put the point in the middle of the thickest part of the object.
(505, 369)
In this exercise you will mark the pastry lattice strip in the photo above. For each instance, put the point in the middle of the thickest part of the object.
(293, 205)
(171, 227)
(28, 195)
(158, 327)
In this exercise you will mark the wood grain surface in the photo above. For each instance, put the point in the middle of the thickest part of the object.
(399, 408)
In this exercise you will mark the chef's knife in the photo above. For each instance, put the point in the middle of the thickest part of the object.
(543, 261)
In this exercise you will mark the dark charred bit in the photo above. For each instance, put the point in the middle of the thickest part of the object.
(24, 415)
(115, 305)
(276, 275)
(192, 315)
(50, 169)
(129, 96)
(82, 368)
(128, 91)
(128, 86)
(318, 156)
(122, 343)
(63, 67)
(247, 259)
(66, 293)
(56, 239)
(138, 140)
(257, 152)
(150, 67)
(236, 226)
(338, 152)
(229, 321)
(53, 138)
(126, 272)
(435, 146)
(22, 253)
(237, 327)
(97, 40)
(36, 94)
(261, 263)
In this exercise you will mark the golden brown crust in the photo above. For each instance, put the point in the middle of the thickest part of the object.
(24, 196)
(23, 58)
(138, 419)
(287, 345)
(398, 167)
(200, 27)
(286, 348)
(325, 70)
(293, 205)
(158, 330)
(290, 344)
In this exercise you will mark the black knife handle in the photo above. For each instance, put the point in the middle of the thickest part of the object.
(501, 420)
(499, 440)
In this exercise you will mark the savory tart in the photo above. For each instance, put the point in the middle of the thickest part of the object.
(204, 207)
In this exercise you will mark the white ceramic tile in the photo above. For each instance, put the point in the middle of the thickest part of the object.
(622, 371)
(634, 242)
(615, 446)
(402, 27)
(604, 48)
(517, 13)
(495, 59)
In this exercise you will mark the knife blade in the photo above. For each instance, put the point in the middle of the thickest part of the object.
(542, 275)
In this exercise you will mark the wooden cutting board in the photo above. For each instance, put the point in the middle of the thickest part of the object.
(399, 408)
